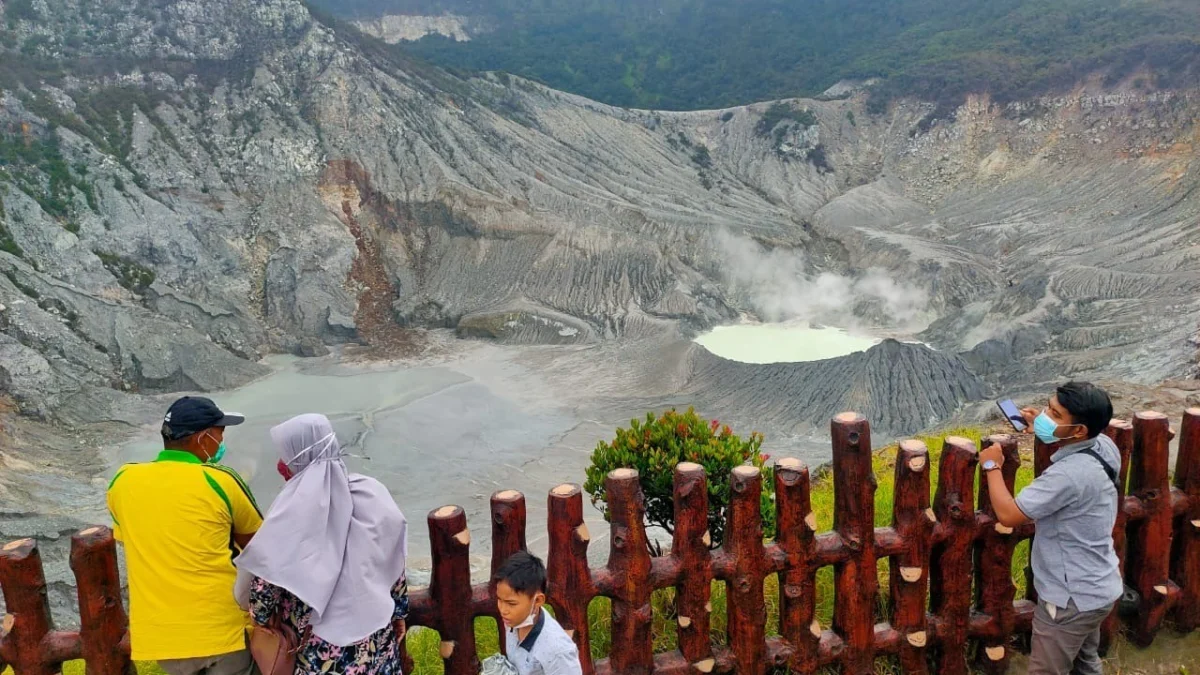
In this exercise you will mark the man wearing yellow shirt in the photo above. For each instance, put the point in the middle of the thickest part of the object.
(182, 518)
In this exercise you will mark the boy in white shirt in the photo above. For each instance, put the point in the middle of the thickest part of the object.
(536, 643)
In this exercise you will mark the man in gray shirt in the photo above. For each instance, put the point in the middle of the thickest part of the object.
(1074, 506)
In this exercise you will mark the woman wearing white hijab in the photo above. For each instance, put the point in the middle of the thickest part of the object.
(329, 558)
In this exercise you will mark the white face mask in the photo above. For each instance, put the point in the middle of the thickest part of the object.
(322, 443)
(529, 620)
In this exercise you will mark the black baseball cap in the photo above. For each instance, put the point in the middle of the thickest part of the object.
(193, 414)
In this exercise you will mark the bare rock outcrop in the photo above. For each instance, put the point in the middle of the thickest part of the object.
(902, 388)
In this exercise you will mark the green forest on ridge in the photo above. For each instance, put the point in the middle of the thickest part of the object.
(692, 54)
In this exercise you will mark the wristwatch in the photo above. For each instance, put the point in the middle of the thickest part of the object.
(990, 465)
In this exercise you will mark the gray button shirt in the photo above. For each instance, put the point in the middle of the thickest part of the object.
(1074, 505)
(546, 650)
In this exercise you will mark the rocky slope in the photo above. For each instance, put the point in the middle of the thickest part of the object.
(897, 386)
(393, 28)
(191, 185)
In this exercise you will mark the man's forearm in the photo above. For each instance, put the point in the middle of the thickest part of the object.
(1007, 511)
(243, 540)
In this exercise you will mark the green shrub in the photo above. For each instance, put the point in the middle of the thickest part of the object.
(779, 113)
(7, 243)
(21, 10)
(655, 445)
(129, 273)
(816, 156)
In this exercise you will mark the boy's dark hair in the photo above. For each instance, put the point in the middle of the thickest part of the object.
(1088, 404)
(524, 573)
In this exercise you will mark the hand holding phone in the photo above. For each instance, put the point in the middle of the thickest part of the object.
(1013, 414)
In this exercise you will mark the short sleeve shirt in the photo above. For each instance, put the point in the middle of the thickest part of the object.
(1074, 507)
(176, 518)
(546, 650)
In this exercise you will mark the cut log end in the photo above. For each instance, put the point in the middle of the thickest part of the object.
(1151, 415)
(1194, 412)
(995, 653)
(508, 495)
(688, 467)
(706, 539)
(1161, 589)
(913, 445)
(570, 633)
(847, 417)
(463, 537)
(6, 625)
(815, 629)
(685, 621)
(1003, 529)
(582, 533)
(445, 512)
(910, 574)
(623, 474)
(931, 515)
(564, 490)
(14, 545)
(790, 463)
(89, 531)
(746, 472)
(446, 649)
(708, 607)
(1196, 524)
(811, 521)
(917, 464)
(705, 666)
(917, 639)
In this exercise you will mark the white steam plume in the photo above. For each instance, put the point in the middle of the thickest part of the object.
(778, 287)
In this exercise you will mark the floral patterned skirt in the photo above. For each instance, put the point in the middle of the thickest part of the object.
(377, 654)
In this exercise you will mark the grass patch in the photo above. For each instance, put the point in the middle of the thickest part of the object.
(129, 273)
(40, 171)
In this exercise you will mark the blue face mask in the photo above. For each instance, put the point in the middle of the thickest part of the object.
(1044, 428)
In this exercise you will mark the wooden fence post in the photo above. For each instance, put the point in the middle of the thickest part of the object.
(1185, 558)
(508, 537)
(1147, 563)
(744, 588)
(27, 624)
(570, 580)
(102, 619)
(796, 528)
(450, 589)
(1121, 432)
(950, 571)
(855, 579)
(994, 590)
(909, 571)
(690, 549)
(1041, 462)
(629, 566)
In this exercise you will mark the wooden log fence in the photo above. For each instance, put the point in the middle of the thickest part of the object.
(950, 547)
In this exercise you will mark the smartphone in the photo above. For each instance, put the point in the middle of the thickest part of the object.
(1012, 413)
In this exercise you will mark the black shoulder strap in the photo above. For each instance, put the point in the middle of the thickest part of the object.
(1108, 470)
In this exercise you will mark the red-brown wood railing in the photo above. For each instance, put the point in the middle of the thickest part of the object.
(947, 549)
